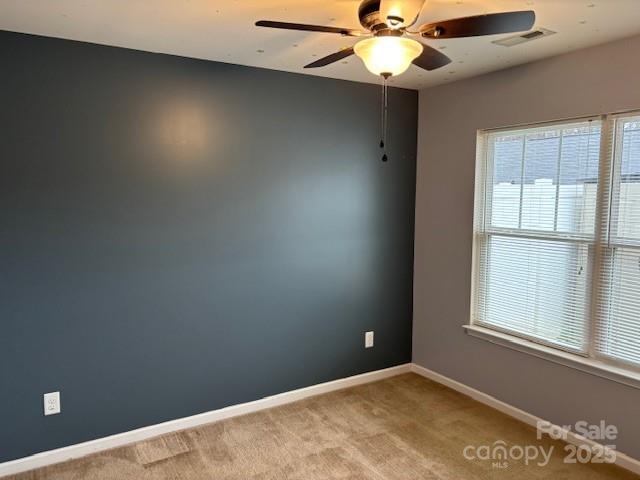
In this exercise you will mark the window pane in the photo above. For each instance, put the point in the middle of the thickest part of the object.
(578, 179)
(535, 288)
(619, 335)
(540, 175)
(627, 192)
(546, 178)
(507, 175)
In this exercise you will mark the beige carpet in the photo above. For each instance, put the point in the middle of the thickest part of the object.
(405, 427)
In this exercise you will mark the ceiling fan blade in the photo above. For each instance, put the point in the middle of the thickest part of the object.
(310, 28)
(400, 13)
(329, 59)
(478, 25)
(431, 59)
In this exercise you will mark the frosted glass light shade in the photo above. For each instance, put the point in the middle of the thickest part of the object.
(391, 55)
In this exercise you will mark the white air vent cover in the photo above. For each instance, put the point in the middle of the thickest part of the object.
(524, 37)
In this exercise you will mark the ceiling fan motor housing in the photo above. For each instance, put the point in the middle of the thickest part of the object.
(369, 15)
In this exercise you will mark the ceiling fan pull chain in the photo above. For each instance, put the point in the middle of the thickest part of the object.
(382, 115)
(385, 116)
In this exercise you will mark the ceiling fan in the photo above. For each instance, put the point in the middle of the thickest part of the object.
(387, 51)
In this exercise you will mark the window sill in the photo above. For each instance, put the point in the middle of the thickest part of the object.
(588, 365)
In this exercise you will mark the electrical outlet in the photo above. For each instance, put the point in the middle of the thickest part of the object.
(51, 403)
(368, 339)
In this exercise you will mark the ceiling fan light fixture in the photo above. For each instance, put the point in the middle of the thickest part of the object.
(387, 54)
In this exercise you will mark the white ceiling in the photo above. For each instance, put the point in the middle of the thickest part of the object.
(224, 30)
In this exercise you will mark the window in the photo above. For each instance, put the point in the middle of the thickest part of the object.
(557, 236)
(618, 321)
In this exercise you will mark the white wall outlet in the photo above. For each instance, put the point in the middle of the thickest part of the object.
(368, 339)
(52, 403)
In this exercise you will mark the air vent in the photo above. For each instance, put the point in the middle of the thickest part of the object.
(524, 37)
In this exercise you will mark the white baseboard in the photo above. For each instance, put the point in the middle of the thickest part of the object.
(622, 460)
(86, 448)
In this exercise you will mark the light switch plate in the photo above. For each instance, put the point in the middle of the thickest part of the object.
(368, 339)
(51, 403)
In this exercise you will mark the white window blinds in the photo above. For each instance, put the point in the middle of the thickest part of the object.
(557, 236)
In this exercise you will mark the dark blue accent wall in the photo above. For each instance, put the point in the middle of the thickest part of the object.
(179, 235)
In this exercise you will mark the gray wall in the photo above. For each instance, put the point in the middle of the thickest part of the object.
(179, 235)
(592, 81)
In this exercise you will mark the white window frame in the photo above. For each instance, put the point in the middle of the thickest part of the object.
(591, 361)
